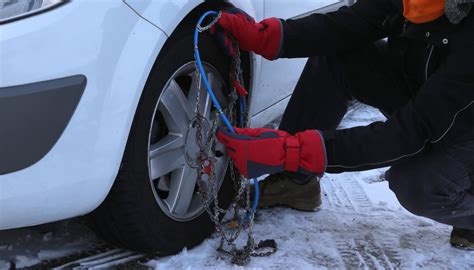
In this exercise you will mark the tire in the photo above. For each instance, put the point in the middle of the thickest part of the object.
(132, 216)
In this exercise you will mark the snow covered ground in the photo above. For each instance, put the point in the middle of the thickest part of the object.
(360, 225)
(30, 246)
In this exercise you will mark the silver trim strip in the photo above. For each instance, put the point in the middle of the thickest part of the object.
(428, 62)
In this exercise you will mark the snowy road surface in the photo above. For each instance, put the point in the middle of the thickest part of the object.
(360, 225)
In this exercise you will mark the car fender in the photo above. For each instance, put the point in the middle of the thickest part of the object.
(167, 14)
(115, 49)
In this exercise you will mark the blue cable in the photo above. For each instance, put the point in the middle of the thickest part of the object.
(203, 75)
(218, 106)
(255, 201)
(242, 111)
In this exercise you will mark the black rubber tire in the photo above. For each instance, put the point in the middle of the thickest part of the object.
(130, 216)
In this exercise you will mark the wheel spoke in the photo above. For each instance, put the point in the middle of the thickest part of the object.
(173, 106)
(166, 155)
(218, 85)
(204, 98)
(171, 157)
(182, 186)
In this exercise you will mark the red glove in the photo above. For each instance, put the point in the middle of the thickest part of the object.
(264, 38)
(265, 151)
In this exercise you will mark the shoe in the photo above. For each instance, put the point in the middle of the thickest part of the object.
(281, 189)
(462, 238)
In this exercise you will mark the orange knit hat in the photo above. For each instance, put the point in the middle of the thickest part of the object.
(422, 11)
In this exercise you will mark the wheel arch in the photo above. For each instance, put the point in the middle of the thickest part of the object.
(188, 22)
(186, 25)
(140, 83)
(149, 93)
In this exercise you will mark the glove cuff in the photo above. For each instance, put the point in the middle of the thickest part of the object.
(313, 157)
(271, 47)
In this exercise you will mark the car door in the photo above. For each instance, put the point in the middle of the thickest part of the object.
(277, 79)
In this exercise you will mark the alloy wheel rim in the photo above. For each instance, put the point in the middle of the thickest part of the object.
(172, 148)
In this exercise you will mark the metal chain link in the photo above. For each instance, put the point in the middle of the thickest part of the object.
(208, 183)
(211, 24)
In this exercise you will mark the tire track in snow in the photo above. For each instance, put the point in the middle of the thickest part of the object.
(326, 189)
(337, 195)
(351, 258)
(378, 256)
(364, 252)
(359, 251)
(389, 245)
(356, 194)
(345, 193)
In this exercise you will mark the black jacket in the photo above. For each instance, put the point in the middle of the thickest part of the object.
(440, 112)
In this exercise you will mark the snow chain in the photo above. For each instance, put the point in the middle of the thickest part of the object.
(209, 184)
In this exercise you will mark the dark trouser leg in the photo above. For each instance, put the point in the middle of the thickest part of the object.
(319, 100)
(321, 96)
(438, 184)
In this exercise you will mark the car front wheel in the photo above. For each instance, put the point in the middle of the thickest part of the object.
(154, 204)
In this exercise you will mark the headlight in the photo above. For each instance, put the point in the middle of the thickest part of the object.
(16, 9)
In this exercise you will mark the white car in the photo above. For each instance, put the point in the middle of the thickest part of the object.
(96, 108)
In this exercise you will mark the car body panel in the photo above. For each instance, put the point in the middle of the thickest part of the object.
(152, 11)
(76, 175)
(272, 81)
(277, 79)
(279, 8)
(115, 47)
(167, 14)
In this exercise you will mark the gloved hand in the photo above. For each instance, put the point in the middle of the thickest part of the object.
(264, 38)
(266, 151)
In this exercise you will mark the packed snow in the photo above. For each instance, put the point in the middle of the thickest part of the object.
(360, 225)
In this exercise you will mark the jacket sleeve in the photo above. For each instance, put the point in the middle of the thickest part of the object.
(336, 32)
(443, 107)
